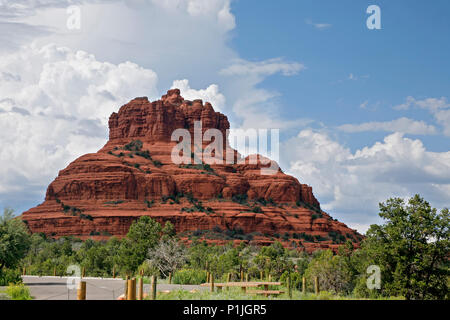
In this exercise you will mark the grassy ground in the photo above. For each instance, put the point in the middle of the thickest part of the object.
(237, 294)
(147, 280)
(15, 292)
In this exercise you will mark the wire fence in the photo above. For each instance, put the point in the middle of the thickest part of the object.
(111, 291)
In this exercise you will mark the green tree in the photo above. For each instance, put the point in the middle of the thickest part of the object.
(199, 254)
(274, 259)
(142, 236)
(332, 270)
(168, 231)
(93, 255)
(302, 263)
(14, 240)
(411, 248)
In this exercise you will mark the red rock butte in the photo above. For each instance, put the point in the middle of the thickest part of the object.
(100, 194)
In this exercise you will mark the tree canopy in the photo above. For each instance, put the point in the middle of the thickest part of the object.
(411, 248)
(14, 240)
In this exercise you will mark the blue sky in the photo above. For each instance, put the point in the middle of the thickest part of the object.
(363, 114)
(408, 57)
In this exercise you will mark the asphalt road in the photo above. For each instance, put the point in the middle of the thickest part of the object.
(56, 288)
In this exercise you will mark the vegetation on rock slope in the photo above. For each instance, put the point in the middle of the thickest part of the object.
(411, 248)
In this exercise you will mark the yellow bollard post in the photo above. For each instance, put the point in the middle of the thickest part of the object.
(304, 285)
(316, 285)
(131, 294)
(153, 290)
(289, 287)
(126, 286)
(212, 283)
(141, 289)
(81, 291)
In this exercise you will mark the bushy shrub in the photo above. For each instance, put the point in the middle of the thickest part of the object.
(149, 203)
(157, 163)
(235, 233)
(18, 292)
(203, 166)
(240, 198)
(8, 276)
(189, 276)
(144, 154)
(115, 202)
(257, 209)
(295, 279)
(135, 145)
(149, 269)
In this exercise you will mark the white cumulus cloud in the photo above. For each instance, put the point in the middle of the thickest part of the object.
(210, 94)
(438, 107)
(54, 106)
(404, 125)
(218, 10)
(263, 68)
(351, 184)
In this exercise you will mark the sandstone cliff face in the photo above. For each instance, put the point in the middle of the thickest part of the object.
(101, 194)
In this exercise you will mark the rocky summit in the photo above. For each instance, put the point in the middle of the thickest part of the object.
(99, 195)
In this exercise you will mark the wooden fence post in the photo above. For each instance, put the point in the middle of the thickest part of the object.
(54, 271)
(207, 276)
(81, 291)
(153, 289)
(228, 279)
(141, 289)
(212, 282)
(303, 285)
(83, 273)
(24, 271)
(131, 294)
(246, 277)
(126, 286)
(289, 287)
(170, 277)
(114, 272)
(242, 275)
(316, 285)
(270, 278)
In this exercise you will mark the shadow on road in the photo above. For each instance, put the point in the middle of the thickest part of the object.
(31, 284)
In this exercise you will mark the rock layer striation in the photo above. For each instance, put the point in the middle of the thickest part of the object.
(99, 195)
